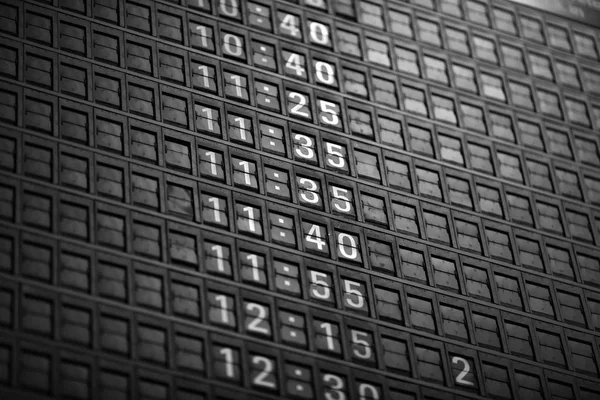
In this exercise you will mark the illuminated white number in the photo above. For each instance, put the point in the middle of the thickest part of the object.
(336, 387)
(254, 325)
(236, 51)
(305, 150)
(341, 194)
(213, 161)
(251, 223)
(253, 258)
(238, 85)
(314, 236)
(267, 368)
(295, 64)
(209, 117)
(302, 101)
(356, 339)
(325, 73)
(460, 379)
(319, 33)
(232, 10)
(242, 125)
(204, 71)
(351, 287)
(321, 289)
(289, 24)
(310, 195)
(246, 166)
(364, 388)
(326, 326)
(223, 304)
(215, 202)
(330, 115)
(219, 250)
(335, 150)
(353, 253)
(228, 353)
(203, 35)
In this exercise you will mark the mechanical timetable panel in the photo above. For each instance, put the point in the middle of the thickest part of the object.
(298, 199)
